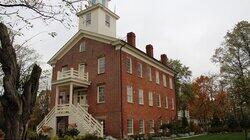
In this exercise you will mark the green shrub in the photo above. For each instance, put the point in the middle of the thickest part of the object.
(72, 132)
(43, 137)
(66, 137)
(88, 137)
(32, 135)
(55, 138)
(138, 137)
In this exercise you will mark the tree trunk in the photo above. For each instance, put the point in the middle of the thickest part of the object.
(17, 100)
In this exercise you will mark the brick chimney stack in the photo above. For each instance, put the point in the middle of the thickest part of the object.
(149, 50)
(164, 59)
(131, 39)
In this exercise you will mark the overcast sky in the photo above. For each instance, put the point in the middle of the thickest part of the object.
(188, 30)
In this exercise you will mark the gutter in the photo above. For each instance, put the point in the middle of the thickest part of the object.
(121, 89)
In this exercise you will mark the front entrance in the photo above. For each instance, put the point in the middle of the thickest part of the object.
(61, 125)
(80, 98)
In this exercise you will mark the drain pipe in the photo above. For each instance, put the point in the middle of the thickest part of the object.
(121, 88)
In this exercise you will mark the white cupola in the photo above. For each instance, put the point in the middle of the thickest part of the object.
(98, 18)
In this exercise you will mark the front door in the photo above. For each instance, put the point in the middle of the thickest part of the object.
(81, 97)
(61, 125)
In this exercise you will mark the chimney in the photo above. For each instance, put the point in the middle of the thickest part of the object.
(164, 59)
(149, 50)
(131, 39)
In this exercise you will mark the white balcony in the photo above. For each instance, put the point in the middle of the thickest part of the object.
(72, 76)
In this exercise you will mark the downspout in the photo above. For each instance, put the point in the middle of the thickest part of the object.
(121, 89)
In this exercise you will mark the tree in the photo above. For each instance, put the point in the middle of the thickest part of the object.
(234, 60)
(20, 93)
(201, 107)
(183, 86)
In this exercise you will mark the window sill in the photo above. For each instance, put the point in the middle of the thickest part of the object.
(130, 102)
(100, 73)
(100, 102)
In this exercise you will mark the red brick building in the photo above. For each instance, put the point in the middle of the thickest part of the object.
(99, 78)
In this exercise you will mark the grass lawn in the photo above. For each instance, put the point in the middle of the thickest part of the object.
(230, 136)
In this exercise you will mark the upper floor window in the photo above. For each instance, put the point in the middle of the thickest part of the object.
(107, 20)
(101, 65)
(101, 94)
(82, 47)
(88, 19)
(130, 94)
(141, 127)
(130, 126)
(150, 98)
(149, 73)
(141, 101)
(151, 126)
(166, 102)
(172, 103)
(158, 100)
(81, 68)
(164, 79)
(65, 68)
(139, 69)
(171, 83)
(129, 65)
(157, 77)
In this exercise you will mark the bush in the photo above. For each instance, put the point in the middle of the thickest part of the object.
(232, 124)
(184, 122)
(55, 138)
(138, 137)
(89, 137)
(32, 135)
(43, 137)
(72, 132)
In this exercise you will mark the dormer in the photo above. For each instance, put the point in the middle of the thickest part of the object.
(98, 18)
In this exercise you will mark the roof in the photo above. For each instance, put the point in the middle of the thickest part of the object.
(105, 39)
(95, 7)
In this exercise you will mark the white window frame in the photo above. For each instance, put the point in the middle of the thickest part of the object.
(150, 98)
(151, 126)
(132, 126)
(171, 83)
(129, 94)
(158, 100)
(107, 20)
(82, 47)
(173, 104)
(166, 102)
(101, 61)
(140, 95)
(150, 73)
(157, 77)
(129, 64)
(98, 94)
(141, 127)
(88, 19)
(164, 80)
(139, 69)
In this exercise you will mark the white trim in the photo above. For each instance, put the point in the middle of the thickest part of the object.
(132, 126)
(100, 61)
(98, 93)
(150, 98)
(140, 96)
(143, 127)
(143, 57)
(130, 94)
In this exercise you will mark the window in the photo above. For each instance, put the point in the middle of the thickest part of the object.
(160, 130)
(82, 47)
(107, 20)
(100, 94)
(172, 103)
(130, 126)
(141, 127)
(130, 94)
(158, 100)
(149, 73)
(164, 80)
(88, 19)
(65, 68)
(151, 126)
(101, 65)
(129, 65)
(166, 102)
(157, 78)
(141, 101)
(81, 69)
(170, 83)
(150, 98)
(139, 69)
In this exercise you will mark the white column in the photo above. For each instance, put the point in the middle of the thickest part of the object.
(71, 94)
(57, 95)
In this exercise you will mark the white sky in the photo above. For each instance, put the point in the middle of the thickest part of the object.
(188, 30)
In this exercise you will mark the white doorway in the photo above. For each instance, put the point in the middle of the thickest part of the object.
(80, 98)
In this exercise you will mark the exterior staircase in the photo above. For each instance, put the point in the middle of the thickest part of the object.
(78, 115)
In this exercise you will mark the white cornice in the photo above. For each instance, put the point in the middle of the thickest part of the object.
(95, 7)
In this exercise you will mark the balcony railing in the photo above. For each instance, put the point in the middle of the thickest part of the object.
(74, 74)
